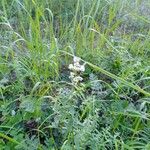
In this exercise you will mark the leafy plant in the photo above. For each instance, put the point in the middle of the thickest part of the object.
(100, 101)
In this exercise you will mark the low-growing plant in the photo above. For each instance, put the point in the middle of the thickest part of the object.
(74, 75)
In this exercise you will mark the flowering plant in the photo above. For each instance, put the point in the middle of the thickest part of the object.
(76, 69)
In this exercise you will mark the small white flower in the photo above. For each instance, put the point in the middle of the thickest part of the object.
(71, 67)
(76, 68)
(77, 79)
(82, 68)
(76, 59)
(72, 75)
(77, 64)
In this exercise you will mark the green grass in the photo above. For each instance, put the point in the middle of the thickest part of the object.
(41, 108)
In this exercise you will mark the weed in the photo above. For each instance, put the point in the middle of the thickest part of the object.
(100, 101)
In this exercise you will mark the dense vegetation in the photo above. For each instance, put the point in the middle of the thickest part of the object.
(50, 99)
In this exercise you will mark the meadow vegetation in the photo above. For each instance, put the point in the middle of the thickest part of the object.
(74, 75)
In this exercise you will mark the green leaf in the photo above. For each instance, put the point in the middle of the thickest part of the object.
(28, 105)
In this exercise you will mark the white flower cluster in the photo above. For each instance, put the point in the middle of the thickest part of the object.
(76, 69)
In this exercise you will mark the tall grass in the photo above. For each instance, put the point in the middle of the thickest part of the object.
(40, 108)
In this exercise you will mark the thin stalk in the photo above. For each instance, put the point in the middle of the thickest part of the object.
(113, 76)
(9, 138)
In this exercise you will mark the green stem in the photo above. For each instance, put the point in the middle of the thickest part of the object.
(9, 138)
(113, 76)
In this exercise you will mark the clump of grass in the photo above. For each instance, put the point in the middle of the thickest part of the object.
(41, 107)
